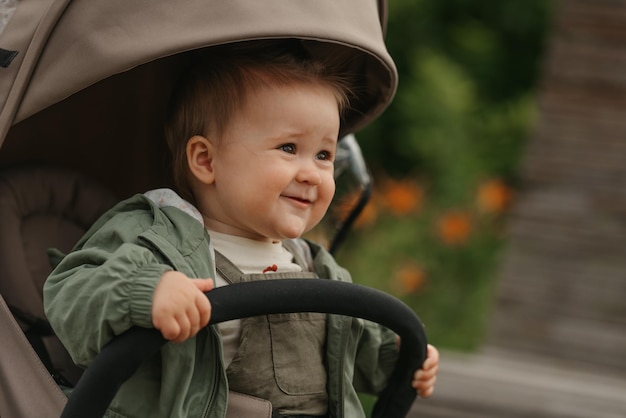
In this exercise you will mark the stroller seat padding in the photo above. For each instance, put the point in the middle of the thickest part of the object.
(41, 208)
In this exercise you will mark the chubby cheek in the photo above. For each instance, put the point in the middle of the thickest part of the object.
(325, 197)
(328, 194)
(327, 190)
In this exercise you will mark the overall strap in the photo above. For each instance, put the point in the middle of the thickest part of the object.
(227, 269)
(301, 253)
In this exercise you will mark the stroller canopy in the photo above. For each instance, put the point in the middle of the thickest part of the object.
(52, 49)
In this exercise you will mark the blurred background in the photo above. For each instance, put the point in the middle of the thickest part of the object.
(499, 203)
(446, 157)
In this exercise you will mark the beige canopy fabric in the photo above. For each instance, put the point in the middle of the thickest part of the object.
(66, 46)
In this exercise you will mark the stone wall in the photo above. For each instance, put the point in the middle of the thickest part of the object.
(563, 279)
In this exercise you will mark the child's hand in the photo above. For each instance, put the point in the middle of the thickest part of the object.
(424, 379)
(179, 307)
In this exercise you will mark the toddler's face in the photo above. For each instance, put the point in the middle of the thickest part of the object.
(274, 165)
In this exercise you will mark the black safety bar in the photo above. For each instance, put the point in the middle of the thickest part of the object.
(121, 357)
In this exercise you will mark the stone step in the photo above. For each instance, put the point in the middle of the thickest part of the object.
(501, 383)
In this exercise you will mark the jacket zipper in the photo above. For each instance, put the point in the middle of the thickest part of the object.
(342, 361)
(216, 379)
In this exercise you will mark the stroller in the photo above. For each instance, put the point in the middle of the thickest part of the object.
(83, 91)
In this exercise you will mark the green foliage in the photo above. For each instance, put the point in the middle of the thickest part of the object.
(463, 111)
(464, 65)
(455, 298)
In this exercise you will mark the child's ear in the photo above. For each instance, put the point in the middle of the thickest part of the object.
(200, 151)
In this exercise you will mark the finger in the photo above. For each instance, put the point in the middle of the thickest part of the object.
(199, 314)
(425, 374)
(432, 357)
(184, 328)
(426, 393)
(425, 388)
(424, 383)
(204, 285)
(169, 328)
(204, 309)
(193, 316)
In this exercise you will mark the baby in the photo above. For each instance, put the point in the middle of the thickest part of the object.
(253, 131)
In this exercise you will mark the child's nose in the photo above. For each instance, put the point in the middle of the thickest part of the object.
(309, 175)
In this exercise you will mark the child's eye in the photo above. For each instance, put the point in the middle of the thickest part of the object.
(325, 156)
(289, 148)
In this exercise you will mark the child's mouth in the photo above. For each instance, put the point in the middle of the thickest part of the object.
(299, 200)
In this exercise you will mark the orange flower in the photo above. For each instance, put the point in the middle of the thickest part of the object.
(493, 196)
(409, 278)
(454, 227)
(367, 216)
(402, 197)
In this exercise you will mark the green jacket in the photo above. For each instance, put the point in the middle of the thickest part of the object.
(105, 286)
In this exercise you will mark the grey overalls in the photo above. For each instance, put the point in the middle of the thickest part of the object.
(280, 357)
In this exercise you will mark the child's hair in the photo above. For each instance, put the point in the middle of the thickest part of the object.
(221, 78)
